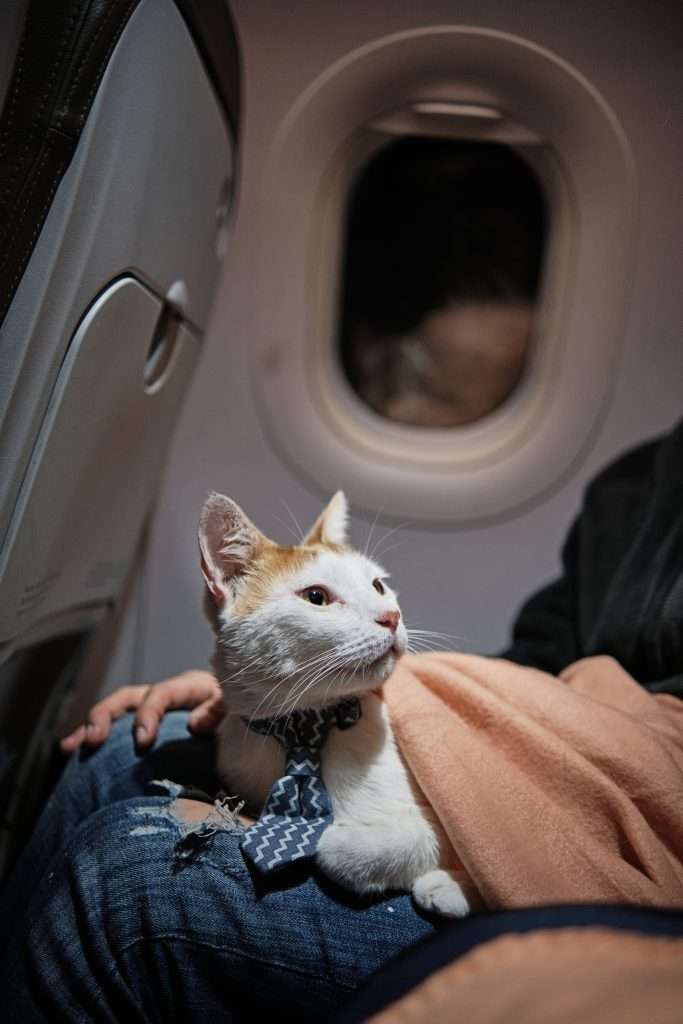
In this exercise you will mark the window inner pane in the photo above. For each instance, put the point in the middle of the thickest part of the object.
(444, 247)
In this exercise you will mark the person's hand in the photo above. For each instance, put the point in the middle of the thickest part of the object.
(192, 690)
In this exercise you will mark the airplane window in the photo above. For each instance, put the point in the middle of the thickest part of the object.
(444, 249)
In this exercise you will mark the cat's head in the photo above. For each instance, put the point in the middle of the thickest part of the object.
(295, 626)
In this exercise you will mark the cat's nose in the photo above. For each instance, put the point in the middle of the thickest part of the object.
(389, 620)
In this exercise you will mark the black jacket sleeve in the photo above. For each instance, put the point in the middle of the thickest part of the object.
(595, 606)
(545, 633)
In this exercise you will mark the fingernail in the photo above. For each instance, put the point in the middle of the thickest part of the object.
(90, 728)
(141, 733)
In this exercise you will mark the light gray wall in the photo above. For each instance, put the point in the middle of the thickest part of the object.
(466, 582)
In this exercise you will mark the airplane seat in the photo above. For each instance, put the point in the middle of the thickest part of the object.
(118, 138)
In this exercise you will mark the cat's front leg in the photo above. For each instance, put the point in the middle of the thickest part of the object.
(368, 860)
(377, 857)
(356, 857)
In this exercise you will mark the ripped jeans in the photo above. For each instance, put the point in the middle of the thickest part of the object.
(119, 912)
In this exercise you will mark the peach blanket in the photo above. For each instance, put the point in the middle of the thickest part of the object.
(550, 790)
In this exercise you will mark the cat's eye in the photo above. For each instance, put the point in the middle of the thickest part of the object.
(315, 595)
(379, 586)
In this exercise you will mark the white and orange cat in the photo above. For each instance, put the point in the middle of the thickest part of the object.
(304, 627)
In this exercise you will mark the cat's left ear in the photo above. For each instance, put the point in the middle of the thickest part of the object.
(228, 542)
(330, 526)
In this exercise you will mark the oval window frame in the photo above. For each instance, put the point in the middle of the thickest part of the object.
(511, 459)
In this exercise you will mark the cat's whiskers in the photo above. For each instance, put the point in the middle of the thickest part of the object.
(313, 675)
(280, 682)
(331, 683)
(312, 679)
(299, 532)
(417, 647)
(306, 667)
(375, 553)
(306, 678)
(425, 643)
(338, 660)
(268, 667)
(310, 673)
(391, 547)
(280, 711)
(430, 639)
(348, 680)
(289, 705)
(372, 530)
(287, 527)
(257, 659)
(414, 631)
(298, 698)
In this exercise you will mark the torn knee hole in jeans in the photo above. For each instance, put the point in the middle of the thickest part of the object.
(195, 821)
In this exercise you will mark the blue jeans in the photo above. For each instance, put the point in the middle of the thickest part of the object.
(115, 914)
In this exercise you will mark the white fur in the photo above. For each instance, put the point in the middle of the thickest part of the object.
(289, 653)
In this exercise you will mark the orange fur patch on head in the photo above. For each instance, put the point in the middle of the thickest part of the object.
(272, 563)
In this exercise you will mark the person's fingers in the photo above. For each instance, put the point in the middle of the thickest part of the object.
(208, 715)
(73, 740)
(185, 691)
(151, 702)
(100, 717)
(98, 722)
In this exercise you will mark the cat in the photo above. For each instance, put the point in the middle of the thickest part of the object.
(308, 626)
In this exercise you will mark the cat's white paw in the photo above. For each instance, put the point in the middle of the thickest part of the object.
(440, 893)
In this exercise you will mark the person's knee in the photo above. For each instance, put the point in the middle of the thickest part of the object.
(143, 859)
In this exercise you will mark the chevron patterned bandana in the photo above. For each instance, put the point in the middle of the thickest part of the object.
(298, 809)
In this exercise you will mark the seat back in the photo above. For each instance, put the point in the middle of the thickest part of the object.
(117, 157)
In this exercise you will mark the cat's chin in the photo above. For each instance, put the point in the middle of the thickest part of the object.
(379, 670)
(356, 680)
(358, 684)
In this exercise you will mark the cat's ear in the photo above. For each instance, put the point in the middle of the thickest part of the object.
(330, 526)
(228, 542)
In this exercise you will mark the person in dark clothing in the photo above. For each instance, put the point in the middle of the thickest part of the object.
(621, 590)
(95, 926)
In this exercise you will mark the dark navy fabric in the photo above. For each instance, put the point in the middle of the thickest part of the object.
(298, 809)
(411, 968)
(621, 588)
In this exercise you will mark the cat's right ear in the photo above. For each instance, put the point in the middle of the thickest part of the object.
(228, 542)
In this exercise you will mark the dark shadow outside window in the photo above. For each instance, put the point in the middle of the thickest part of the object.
(444, 247)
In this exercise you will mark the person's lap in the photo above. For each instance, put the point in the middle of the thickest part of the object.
(120, 917)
